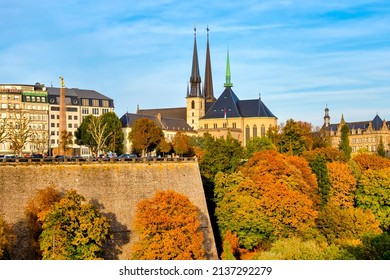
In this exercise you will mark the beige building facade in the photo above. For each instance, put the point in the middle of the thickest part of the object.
(364, 135)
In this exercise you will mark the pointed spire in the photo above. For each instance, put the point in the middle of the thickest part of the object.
(228, 77)
(195, 75)
(208, 79)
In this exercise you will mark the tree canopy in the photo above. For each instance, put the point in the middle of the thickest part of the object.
(168, 228)
(145, 135)
(73, 230)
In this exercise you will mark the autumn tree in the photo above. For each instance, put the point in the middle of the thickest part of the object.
(19, 133)
(344, 142)
(343, 184)
(373, 192)
(164, 146)
(346, 225)
(145, 135)
(295, 138)
(38, 206)
(231, 246)
(288, 191)
(64, 141)
(256, 144)
(329, 153)
(371, 161)
(180, 143)
(7, 239)
(168, 228)
(73, 230)
(3, 130)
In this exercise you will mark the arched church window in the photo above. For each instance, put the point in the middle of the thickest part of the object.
(254, 131)
(262, 130)
(192, 104)
(247, 133)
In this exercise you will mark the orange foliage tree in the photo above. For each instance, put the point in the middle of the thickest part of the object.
(38, 206)
(343, 184)
(371, 161)
(266, 168)
(168, 228)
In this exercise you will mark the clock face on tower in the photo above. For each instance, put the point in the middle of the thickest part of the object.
(52, 100)
(75, 101)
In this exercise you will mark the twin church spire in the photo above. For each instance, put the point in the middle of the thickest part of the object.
(195, 79)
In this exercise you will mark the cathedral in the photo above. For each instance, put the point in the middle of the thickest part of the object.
(243, 119)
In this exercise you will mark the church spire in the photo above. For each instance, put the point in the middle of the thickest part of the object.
(228, 77)
(195, 75)
(208, 79)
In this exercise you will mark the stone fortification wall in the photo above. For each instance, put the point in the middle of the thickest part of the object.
(115, 188)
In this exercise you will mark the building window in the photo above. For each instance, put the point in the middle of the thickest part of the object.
(254, 131)
(262, 131)
(105, 103)
(69, 117)
(53, 125)
(206, 126)
(85, 111)
(215, 125)
(69, 125)
(95, 111)
(95, 103)
(247, 133)
(224, 125)
(85, 102)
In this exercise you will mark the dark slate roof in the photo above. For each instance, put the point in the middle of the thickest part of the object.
(129, 119)
(254, 108)
(177, 113)
(76, 92)
(229, 102)
(377, 124)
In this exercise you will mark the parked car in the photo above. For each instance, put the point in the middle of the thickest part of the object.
(61, 157)
(36, 156)
(128, 156)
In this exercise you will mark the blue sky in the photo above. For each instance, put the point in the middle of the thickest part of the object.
(300, 55)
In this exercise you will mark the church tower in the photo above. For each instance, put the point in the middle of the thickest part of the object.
(195, 100)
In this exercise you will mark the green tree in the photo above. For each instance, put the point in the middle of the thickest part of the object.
(145, 135)
(295, 138)
(224, 155)
(373, 192)
(83, 135)
(238, 210)
(318, 166)
(256, 144)
(114, 142)
(381, 148)
(168, 228)
(73, 230)
(7, 239)
(344, 142)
